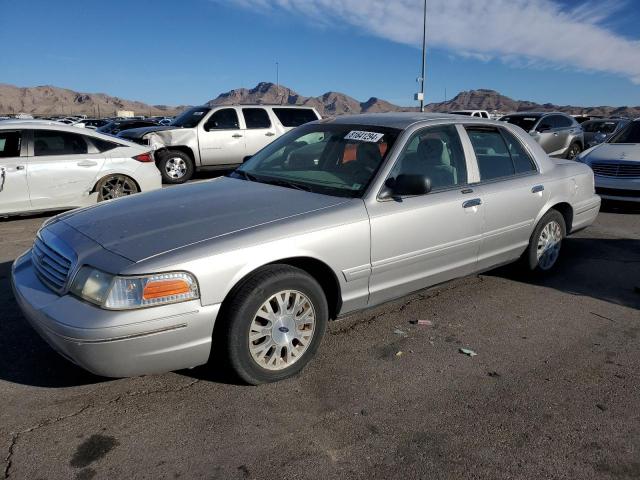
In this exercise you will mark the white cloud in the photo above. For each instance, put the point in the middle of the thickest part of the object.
(539, 33)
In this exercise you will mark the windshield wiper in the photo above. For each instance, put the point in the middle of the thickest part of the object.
(287, 184)
(245, 175)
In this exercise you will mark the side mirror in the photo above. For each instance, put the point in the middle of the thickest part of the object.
(410, 185)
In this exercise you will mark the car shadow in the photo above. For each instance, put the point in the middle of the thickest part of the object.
(606, 269)
(613, 206)
(27, 359)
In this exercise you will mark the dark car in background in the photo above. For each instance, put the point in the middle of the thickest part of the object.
(557, 133)
(598, 131)
(117, 126)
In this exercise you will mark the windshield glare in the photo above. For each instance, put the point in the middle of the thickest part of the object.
(339, 160)
(524, 122)
(190, 118)
(629, 134)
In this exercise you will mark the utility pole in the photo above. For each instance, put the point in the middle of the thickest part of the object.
(278, 81)
(424, 57)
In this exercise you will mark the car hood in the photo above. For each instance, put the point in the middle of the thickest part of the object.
(138, 133)
(150, 224)
(614, 152)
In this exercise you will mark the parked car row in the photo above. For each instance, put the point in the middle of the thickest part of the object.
(332, 217)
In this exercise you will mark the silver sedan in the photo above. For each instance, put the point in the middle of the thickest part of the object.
(336, 216)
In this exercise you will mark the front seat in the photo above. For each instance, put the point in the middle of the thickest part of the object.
(368, 158)
(433, 164)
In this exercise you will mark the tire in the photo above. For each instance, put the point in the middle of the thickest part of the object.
(249, 343)
(115, 186)
(545, 243)
(574, 150)
(175, 166)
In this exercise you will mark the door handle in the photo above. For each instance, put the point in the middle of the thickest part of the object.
(19, 167)
(475, 202)
(236, 135)
(537, 189)
(269, 134)
(3, 175)
(555, 134)
(87, 163)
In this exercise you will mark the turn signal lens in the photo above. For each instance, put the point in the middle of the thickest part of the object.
(164, 288)
(144, 157)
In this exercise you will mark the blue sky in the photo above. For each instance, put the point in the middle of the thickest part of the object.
(189, 51)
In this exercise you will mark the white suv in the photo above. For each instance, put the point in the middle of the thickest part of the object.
(218, 137)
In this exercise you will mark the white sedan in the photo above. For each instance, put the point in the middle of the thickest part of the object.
(49, 166)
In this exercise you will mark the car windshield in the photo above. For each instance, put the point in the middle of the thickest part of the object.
(190, 118)
(107, 127)
(599, 126)
(629, 134)
(525, 122)
(339, 160)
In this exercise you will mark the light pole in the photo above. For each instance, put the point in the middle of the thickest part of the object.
(277, 80)
(424, 57)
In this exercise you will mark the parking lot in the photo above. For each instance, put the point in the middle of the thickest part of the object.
(553, 392)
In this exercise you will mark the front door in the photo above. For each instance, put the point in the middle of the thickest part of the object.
(221, 139)
(424, 240)
(62, 169)
(14, 192)
(260, 130)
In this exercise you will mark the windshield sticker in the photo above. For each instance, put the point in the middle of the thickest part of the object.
(364, 136)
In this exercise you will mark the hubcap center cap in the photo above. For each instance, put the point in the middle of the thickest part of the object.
(283, 331)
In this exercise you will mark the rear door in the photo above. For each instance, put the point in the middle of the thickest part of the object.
(260, 131)
(221, 138)
(63, 168)
(14, 191)
(512, 192)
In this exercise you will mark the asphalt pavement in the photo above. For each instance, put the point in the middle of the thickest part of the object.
(553, 392)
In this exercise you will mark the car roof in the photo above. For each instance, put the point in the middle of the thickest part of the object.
(537, 114)
(402, 120)
(49, 125)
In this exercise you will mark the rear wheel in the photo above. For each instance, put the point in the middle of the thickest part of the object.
(175, 166)
(574, 151)
(273, 325)
(546, 242)
(115, 186)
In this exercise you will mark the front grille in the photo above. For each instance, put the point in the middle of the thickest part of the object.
(616, 169)
(614, 192)
(52, 266)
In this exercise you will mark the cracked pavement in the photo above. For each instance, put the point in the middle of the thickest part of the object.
(553, 393)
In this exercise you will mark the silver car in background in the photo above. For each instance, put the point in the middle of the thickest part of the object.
(616, 165)
(333, 217)
(558, 134)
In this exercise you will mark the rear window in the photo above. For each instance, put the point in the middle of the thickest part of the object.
(599, 126)
(294, 117)
(524, 122)
(10, 144)
(51, 142)
(256, 118)
(103, 145)
(630, 134)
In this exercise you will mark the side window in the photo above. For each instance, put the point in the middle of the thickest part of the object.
(545, 124)
(256, 118)
(294, 117)
(522, 161)
(494, 160)
(437, 153)
(563, 122)
(103, 145)
(485, 115)
(10, 144)
(225, 119)
(51, 142)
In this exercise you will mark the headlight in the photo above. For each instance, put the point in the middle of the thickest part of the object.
(124, 293)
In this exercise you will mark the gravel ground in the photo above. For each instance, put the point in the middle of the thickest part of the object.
(554, 391)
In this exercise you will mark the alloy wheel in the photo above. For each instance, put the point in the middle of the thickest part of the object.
(549, 242)
(282, 329)
(117, 186)
(176, 167)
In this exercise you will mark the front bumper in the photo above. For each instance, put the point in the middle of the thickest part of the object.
(615, 188)
(115, 343)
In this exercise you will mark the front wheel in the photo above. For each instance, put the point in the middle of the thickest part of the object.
(546, 242)
(176, 167)
(273, 324)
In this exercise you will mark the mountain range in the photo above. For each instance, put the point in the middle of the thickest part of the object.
(49, 100)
